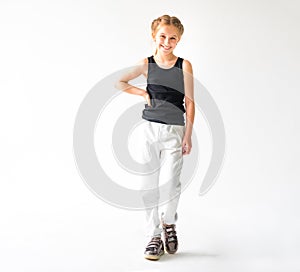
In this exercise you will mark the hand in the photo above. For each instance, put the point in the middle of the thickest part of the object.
(186, 145)
(147, 98)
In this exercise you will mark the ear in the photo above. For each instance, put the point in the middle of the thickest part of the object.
(153, 36)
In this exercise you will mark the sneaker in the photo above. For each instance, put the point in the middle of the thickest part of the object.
(170, 237)
(155, 249)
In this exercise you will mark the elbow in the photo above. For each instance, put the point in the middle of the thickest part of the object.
(119, 85)
(190, 104)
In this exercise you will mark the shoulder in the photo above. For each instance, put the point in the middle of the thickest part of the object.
(187, 66)
(142, 65)
(143, 62)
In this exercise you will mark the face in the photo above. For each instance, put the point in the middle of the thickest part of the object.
(166, 38)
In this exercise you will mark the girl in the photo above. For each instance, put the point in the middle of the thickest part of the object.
(169, 95)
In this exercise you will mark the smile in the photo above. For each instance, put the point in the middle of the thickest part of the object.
(165, 47)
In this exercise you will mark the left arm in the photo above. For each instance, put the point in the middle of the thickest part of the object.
(189, 106)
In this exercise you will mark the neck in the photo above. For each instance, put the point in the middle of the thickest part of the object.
(164, 58)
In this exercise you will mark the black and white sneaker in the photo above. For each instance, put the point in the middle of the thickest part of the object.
(170, 237)
(155, 249)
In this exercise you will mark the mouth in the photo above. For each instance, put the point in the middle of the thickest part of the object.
(165, 47)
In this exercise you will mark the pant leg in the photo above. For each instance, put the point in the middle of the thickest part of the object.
(171, 168)
(149, 190)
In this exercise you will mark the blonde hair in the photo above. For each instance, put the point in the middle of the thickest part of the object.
(166, 20)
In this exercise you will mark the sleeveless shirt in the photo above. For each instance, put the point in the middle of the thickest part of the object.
(166, 91)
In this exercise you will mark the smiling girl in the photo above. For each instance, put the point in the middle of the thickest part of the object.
(169, 115)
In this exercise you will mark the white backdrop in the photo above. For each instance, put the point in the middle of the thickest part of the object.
(246, 53)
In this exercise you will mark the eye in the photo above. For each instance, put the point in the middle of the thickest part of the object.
(162, 36)
(173, 38)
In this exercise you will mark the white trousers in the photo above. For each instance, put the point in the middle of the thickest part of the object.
(160, 145)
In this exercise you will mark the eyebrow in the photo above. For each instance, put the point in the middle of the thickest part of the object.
(165, 34)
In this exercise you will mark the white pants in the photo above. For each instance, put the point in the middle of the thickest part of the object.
(161, 146)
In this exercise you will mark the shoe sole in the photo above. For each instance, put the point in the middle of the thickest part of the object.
(171, 252)
(153, 257)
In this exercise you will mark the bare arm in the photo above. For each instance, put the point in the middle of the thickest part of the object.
(189, 105)
(122, 84)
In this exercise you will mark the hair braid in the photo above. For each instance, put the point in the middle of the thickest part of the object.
(167, 20)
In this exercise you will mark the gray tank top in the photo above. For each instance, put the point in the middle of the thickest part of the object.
(166, 90)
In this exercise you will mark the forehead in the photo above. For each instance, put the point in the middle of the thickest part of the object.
(170, 30)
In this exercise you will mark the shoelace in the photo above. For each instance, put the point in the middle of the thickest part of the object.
(154, 244)
(170, 233)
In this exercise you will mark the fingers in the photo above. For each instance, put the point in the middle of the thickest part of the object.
(147, 98)
(186, 150)
(149, 102)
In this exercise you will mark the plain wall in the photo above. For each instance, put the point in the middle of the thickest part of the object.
(246, 54)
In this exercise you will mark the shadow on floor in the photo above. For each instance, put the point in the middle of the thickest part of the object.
(189, 254)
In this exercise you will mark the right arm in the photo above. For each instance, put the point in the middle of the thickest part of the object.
(132, 73)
